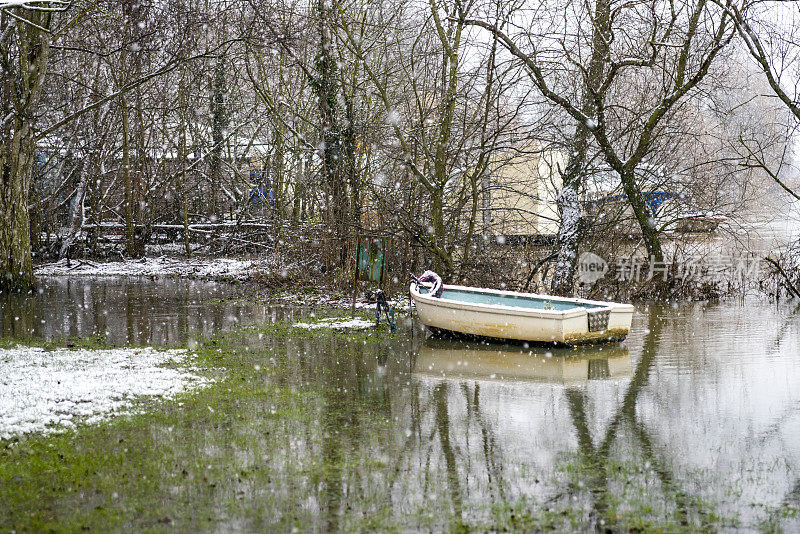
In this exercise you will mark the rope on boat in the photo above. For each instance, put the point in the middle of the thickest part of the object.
(434, 281)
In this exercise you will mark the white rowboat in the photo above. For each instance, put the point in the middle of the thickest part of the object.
(521, 316)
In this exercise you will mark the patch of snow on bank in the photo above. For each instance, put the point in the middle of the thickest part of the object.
(45, 390)
(203, 268)
(300, 299)
(336, 323)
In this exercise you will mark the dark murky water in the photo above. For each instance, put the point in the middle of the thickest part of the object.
(129, 311)
(693, 422)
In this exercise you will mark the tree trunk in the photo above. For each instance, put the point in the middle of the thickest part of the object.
(278, 181)
(644, 217)
(16, 268)
(351, 161)
(568, 237)
(76, 212)
(327, 88)
(20, 89)
(218, 125)
(569, 232)
(182, 162)
(127, 181)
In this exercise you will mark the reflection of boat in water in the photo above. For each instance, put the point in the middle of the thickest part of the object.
(452, 359)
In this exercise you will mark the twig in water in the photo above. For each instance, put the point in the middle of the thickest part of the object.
(788, 281)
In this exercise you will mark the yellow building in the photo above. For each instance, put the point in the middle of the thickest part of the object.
(523, 192)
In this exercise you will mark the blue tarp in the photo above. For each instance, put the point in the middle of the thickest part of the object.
(260, 196)
(654, 199)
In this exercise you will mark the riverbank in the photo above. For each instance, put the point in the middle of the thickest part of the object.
(258, 277)
(210, 268)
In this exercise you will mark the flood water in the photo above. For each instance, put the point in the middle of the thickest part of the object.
(129, 311)
(693, 422)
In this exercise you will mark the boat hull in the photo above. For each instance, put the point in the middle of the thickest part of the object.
(568, 326)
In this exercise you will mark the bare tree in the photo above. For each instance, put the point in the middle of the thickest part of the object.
(444, 114)
(671, 44)
(775, 47)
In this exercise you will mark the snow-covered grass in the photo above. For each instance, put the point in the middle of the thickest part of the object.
(322, 300)
(58, 5)
(156, 249)
(47, 390)
(336, 323)
(228, 268)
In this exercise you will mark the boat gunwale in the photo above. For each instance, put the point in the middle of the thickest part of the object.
(518, 310)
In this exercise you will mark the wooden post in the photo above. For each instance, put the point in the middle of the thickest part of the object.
(382, 276)
(355, 276)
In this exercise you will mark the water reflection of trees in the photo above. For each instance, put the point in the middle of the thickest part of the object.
(597, 456)
(126, 311)
(624, 434)
(450, 453)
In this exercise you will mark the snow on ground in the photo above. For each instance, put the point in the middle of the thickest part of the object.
(336, 323)
(321, 300)
(208, 268)
(158, 249)
(46, 390)
(230, 268)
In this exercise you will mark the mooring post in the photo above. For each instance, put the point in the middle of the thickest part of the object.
(355, 276)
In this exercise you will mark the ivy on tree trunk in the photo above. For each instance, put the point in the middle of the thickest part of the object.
(26, 52)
